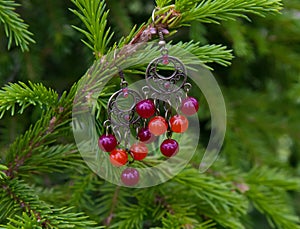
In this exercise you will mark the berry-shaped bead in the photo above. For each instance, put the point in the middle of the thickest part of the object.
(189, 106)
(107, 142)
(169, 147)
(179, 123)
(118, 157)
(139, 151)
(145, 108)
(158, 125)
(130, 176)
(144, 134)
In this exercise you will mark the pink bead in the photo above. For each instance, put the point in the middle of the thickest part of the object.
(125, 92)
(158, 125)
(130, 176)
(189, 106)
(165, 59)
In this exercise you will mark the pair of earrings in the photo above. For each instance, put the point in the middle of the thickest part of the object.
(150, 114)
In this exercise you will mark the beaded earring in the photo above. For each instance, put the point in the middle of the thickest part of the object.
(160, 109)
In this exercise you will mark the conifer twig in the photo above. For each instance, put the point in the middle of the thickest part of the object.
(15, 28)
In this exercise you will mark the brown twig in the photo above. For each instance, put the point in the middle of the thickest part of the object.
(113, 206)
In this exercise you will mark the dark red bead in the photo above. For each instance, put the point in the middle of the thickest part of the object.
(144, 134)
(145, 108)
(169, 147)
(107, 142)
(130, 176)
(189, 106)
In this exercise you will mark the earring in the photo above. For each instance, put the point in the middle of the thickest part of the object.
(160, 109)
(166, 82)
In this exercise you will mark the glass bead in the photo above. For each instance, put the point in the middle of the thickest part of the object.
(107, 142)
(158, 125)
(179, 123)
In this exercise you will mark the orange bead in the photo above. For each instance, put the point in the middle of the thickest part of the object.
(179, 123)
(139, 150)
(158, 125)
(118, 157)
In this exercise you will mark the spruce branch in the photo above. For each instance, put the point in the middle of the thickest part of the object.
(109, 200)
(113, 206)
(56, 158)
(267, 191)
(162, 3)
(273, 204)
(266, 188)
(34, 140)
(52, 125)
(170, 17)
(44, 215)
(93, 15)
(216, 199)
(18, 96)
(28, 219)
(2, 174)
(82, 193)
(130, 216)
(134, 33)
(208, 53)
(15, 28)
(215, 192)
(17, 192)
(178, 214)
(183, 221)
(273, 178)
(214, 11)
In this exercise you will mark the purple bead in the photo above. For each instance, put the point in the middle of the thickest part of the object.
(107, 142)
(169, 147)
(145, 108)
(189, 106)
(144, 134)
(130, 176)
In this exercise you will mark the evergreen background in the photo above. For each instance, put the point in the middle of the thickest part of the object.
(261, 150)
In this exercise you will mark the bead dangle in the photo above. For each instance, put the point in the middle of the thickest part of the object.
(168, 90)
(159, 109)
(121, 118)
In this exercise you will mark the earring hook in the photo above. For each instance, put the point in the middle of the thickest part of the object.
(153, 14)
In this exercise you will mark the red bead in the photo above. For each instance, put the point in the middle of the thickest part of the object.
(118, 157)
(139, 151)
(144, 134)
(179, 123)
(145, 108)
(130, 176)
(158, 125)
(107, 142)
(169, 147)
(189, 106)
